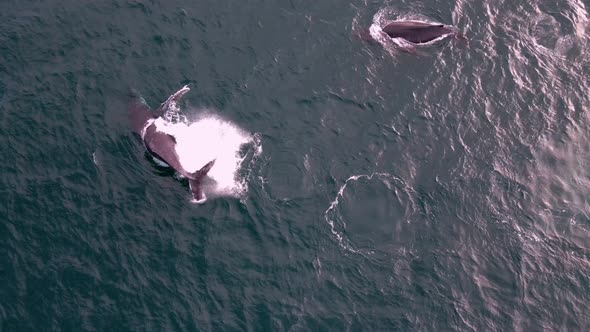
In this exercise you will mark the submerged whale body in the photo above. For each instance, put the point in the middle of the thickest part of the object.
(161, 145)
(418, 32)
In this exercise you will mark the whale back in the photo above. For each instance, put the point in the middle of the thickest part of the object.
(163, 147)
(416, 32)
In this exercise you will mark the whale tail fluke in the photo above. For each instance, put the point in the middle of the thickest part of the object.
(195, 182)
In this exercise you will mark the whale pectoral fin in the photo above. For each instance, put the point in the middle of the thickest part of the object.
(195, 182)
(171, 100)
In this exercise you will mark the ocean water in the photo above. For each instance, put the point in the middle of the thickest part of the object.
(444, 189)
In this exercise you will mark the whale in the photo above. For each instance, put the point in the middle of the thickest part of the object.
(150, 127)
(418, 32)
(409, 34)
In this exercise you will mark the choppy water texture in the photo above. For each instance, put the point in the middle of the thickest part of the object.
(445, 190)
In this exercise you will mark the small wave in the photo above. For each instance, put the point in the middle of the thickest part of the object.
(581, 20)
(96, 158)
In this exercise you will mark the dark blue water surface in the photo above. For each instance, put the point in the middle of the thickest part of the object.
(446, 189)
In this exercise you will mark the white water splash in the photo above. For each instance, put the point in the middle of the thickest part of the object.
(212, 137)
